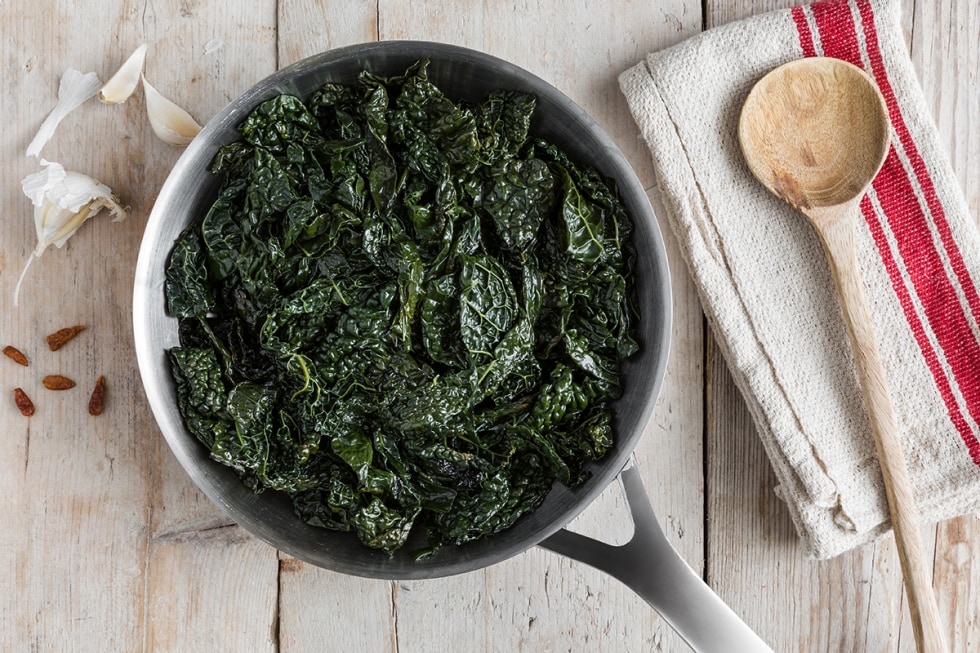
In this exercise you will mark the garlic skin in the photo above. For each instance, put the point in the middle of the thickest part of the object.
(213, 46)
(74, 89)
(171, 123)
(122, 84)
(63, 201)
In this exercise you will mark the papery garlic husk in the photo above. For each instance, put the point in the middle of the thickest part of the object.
(121, 85)
(74, 89)
(171, 123)
(63, 201)
(213, 46)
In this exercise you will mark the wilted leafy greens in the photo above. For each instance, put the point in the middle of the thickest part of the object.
(403, 311)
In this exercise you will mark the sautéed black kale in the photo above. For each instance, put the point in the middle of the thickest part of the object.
(403, 311)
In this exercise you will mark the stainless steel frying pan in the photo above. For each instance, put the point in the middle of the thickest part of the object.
(647, 564)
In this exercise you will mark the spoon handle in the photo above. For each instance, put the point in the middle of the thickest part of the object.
(836, 229)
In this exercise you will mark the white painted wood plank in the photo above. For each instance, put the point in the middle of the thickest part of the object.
(208, 586)
(214, 590)
(202, 58)
(321, 610)
(308, 27)
(946, 54)
(80, 492)
(74, 509)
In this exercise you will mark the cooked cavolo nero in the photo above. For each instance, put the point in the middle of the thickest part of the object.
(405, 312)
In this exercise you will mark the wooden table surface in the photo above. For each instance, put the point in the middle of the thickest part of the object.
(105, 544)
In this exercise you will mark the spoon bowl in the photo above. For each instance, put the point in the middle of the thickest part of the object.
(816, 132)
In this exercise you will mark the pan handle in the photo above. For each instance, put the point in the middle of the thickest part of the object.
(652, 568)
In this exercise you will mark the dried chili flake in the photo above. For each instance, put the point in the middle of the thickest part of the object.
(96, 404)
(24, 403)
(15, 355)
(57, 382)
(58, 339)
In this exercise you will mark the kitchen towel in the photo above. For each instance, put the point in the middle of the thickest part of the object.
(767, 292)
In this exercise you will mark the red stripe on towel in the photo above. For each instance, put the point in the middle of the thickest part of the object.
(923, 272)
(918, 163)
(934, 291)
(960, 340)
(806, 38)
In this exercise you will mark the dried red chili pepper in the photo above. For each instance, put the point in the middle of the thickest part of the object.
(15, 355)
(24, 403)
(57, 382)
(58, 339)
(96, 404)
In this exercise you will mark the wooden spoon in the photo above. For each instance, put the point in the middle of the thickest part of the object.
(815, 132)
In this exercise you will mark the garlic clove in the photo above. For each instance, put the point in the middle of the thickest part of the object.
(171, 123)
(74, 89)
(63, 200)
(121, 85)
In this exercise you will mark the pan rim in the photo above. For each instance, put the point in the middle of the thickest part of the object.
(147, 302)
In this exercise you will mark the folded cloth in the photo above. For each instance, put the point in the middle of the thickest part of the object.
(767, 291)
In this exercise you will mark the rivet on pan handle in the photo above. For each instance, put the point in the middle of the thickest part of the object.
(652, 568)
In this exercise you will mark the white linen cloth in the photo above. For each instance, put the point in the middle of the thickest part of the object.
(767, 292)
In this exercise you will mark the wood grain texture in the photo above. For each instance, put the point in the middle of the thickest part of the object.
(213, 590)
(203, 55)
(946, 54)
(855, 601)
(321, 610)
(605, 614)
(75, 509)
(308, 27)
(106, 544)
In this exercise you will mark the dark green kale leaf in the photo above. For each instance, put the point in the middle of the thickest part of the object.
(488, 304)
(503, 122)
(440, 322)
(201, 393)
(583, 235)
(250, 407)
(521, 196)
(434, 132)
(187, 291)
(403, 311)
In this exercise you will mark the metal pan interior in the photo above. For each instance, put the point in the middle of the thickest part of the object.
(189, 192)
